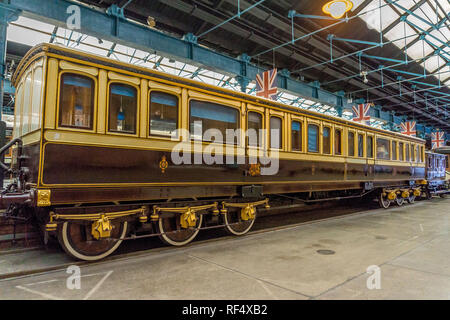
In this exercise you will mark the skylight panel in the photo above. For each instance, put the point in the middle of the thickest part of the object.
(372, 15)
(26, 36)
(398, 33)
(433, 63)
(419, 50)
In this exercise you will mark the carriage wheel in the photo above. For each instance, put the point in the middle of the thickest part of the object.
(172, 233)
(77, 241)
(235, 225)
(428, 195)
(411, 199)
(399, 201)
(384, 201)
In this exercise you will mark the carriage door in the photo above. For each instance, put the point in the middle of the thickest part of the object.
(370, 158)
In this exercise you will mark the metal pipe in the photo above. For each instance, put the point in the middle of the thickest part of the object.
(229, 19)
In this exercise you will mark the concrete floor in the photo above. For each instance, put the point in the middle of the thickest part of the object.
(409, 244)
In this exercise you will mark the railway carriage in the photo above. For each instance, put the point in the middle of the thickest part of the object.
(94, 160)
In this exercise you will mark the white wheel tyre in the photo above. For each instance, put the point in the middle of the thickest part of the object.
(68, 246)
(411, 199)
(399, 201)
(180, 238)
(234, 229)
(384, 202)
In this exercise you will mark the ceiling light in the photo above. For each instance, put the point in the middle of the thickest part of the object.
(337, 8)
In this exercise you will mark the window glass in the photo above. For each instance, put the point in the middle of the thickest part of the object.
(369, 147)
(36, 99)
(18, 110)
(421, 154)
(313, 138)
(383, 149)
(255, 126)
(360, 145)
(163, 113)
(400, 151)
(413, 156)
(276, 133)
(207, 115)
(122, 108)
(351, 144)
(26, 105)
(337, 141)
(76, 101)
(407, 152)
(296, 130)
(394, 150)
(326, 140)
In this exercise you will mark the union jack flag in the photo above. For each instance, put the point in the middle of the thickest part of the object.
(266, 84)
(437, 139)
(408, 128)
(361, 113)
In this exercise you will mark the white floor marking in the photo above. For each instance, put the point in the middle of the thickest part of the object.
(90, 293)
(40, 282)
(45, 295)
(267, 290)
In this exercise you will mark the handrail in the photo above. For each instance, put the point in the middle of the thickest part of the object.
(5, 148)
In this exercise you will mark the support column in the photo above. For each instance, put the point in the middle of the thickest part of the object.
(6, 16)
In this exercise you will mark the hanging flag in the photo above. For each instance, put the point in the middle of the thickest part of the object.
(408, 128)
(361, 113)
(437, 139)
(266, 84)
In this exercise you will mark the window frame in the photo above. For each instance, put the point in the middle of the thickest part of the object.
(331, 137)
(263, 122)
(93, 127)
(200, 98)
(281, 117)
(363, 134)
(407, 147)
(372, 136)
(138, 109)
(355, 143)
(149, 106)
(301, 120)
(319, 140)
(394, 142)
(341, 129)
(389, 140)
(402, 158)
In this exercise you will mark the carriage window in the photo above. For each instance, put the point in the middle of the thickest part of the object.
(214, 120)
(383, 149)
(76, 101)
(163, 114)
(255, 126)
(276, 135)
(296, 131)
(326, 140)
(337, 141)
(394, 150)
(400, 151)
(417, 153)
(369, 147)
(351, 144)
(122, 108)
(421, 155)
(313, 138)
(360, 145)
(407, 152)
(413, 156)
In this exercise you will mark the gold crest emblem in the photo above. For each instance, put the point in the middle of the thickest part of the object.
(255, 169)
(163, 164)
